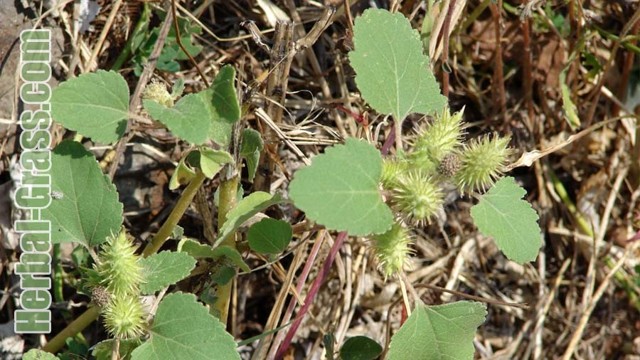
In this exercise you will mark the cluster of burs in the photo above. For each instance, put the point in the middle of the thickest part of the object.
(415, 180)
(114, 283)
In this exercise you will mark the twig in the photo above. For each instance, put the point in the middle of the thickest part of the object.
(142, 83)
(176, 28)
(595, 97)
(326, 267)
(92, 64)
(579, 330)
(498, 76)
(302, 279)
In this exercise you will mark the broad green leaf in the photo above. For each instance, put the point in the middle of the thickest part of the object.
(438, 332)
(183, 329)
(360, 348)
(570, 111)
(103, 349)
(269, 236)
(245, 209)
(36, 354)
(211, 161)
(165, 268)
(392, 72)
(86, 209)
(95, 105)
(224, 105)
(232, 255)
(200, 251)
(510, 221)
(189, 119)
(250, 149)
(340, 189)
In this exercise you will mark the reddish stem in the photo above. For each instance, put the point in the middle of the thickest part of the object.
(326, 267)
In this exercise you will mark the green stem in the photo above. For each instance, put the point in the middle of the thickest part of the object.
(176, 214)
(73, 328)
(228, 197)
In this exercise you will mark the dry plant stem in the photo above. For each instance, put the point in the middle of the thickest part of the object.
(595, 97)
(498, 77)
(176, 214)
(579, 330)
(142, 83)
(176, 28)
(228, 194)
(92, 64)
(301, 281)
(73, 328)
(115, 349)
(397, 127)
(281, 58)
(472, 297)
(326, 267)
(526, 68)
(445, 50)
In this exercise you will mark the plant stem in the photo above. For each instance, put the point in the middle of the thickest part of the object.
(326, 267)
(228, 196)
(176, 214)
(73, 328)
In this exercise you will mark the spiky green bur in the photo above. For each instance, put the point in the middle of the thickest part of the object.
(124, 317)
(417, 197)
(482, 162)
(392, 170)
(439, 138)
(392, 249)
(119, 268)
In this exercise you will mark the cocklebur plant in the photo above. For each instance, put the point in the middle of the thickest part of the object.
(90, 214)
(394, 78)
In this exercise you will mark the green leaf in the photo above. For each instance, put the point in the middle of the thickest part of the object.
(340, 189)
(103, 349)
(189, 119)
(183, 329)
(438, 332)
(95, 105)
(392, 72)
(269, 236)
(211, 161)
(86, 209)
(250, 149)
(245, 209)
(502, 214)
(232, 255)
(224, 105)
(200, 251)
(164, 269)
(360, 348)
(35, 354)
